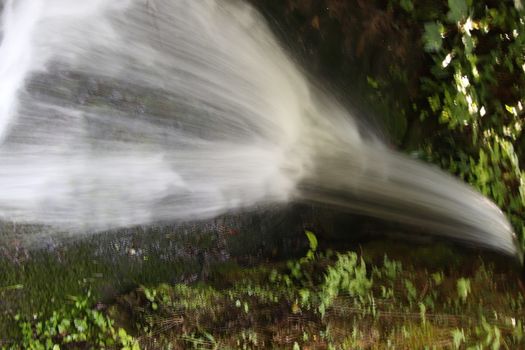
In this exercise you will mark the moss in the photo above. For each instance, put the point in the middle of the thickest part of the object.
(45, 278)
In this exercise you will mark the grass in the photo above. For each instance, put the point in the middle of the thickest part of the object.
(38, 281)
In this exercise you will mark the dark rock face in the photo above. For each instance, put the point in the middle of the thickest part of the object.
(345, 39)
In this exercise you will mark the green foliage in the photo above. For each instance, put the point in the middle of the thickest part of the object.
(374, 306)
(190, 298)
(200, 341)
(458, 336)
(475, 90)
(490, 335)
(411, 291)
(312, 240)
(432, 36)
(391, 268)
(297, 269)
(75, 325)
(463, 287)
(407, 5)
(26, 285)
(347, 276)
(419, 310)
(458, 10)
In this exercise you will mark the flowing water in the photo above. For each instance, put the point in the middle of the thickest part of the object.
(130, 112)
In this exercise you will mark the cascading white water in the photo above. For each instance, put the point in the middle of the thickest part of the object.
(124, 112)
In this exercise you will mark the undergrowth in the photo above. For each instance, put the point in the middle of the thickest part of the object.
(326, 300)
(470, 93)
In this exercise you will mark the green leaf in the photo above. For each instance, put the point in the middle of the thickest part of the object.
(407, 5)
(438, 278)
(463, 287)
(312, 239)
(458, 10)
(422, 312)
(372, 82)
(432, 37)
(64, 325)
(210, 337)
(511, 110)
(411, 290)
(458, 336)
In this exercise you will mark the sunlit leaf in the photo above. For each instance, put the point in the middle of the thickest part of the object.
(312, 240)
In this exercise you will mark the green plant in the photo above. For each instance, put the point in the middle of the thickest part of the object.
(472, 94)
(348, 276)
(75, 324)
(490, 334)
(463, 288)
(411, 291)
(201, 341)
(477, 93)
(297, 272)
(458, 336)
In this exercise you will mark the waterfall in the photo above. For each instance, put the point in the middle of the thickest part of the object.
(126, 112)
